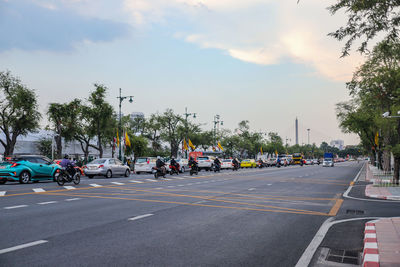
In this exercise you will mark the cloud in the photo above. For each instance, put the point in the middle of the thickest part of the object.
(258, 31)
(47, 25)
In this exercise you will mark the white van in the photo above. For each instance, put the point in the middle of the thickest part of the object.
(145, 164)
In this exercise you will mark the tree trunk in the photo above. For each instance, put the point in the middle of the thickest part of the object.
(100, 146)
(59, 146)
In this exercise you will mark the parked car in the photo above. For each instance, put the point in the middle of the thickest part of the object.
(106, 167)
(145, 164)
(271, 162)
(227, 164)
(183, 165)
(248, 163)
(205, 162)
(309, 162)
(316, 161)
(27, 168)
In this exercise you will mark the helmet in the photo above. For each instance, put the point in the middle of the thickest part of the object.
(191, 158)
(216, 157)
(158, 157)
(172, 157)
(66, 156)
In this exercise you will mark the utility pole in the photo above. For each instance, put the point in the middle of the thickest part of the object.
(308, 130)
(216, 122)
(186, 125)
(121, 98)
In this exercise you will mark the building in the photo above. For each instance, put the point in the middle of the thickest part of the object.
(135, 115)
(338, 144)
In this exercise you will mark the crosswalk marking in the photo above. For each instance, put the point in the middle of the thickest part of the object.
(95, 185)
(117, 183)
(150, 180)
(133, 181)
(38, 190)
(2, 193)
(68, 187)
(166, 179)
(179, 178)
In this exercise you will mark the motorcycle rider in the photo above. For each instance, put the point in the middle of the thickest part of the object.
(192, 163)
(261, 163)
(217, 163)
(174, 164)
(68, 165)
(160, 164)
(235, 163)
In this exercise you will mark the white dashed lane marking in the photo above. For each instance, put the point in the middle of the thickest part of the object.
(140, 217)
(68, 187)
(38, 190)
(2, 193)
(48, 202)
(2, 251)
(138, 182)
(150, 180)
(16, 207)
(95, 185)
(72, 199)
(117, 183)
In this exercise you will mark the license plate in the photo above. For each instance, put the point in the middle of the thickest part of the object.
(92, 168)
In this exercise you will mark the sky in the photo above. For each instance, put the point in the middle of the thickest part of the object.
(266, 61)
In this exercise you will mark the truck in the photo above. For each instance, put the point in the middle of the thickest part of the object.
(298, 159)
(328, 160)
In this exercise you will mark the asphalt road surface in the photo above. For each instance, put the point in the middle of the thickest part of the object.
(252, 217)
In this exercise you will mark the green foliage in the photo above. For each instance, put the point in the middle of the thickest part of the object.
(138, 146)
(367, 19)
(18, 110)
(44, 147)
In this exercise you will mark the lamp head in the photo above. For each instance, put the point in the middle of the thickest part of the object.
(130, 99)
(222, 123)
(386, 114)
(194, 115)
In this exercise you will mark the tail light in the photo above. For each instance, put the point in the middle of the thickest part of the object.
(208, 160)
(58, 170)
(101, 166)
(14, 164)
(148, 161)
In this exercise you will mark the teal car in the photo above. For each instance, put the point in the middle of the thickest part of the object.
(27, 168)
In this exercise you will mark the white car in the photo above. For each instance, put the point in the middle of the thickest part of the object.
(226, 164)
(205, 162)
(106, 167)
(183, 165)
(145, 164)
(328, 162)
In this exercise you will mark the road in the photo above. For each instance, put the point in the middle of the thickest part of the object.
(254, 217)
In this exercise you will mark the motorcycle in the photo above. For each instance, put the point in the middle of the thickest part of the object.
(260, 164)
(194, 169)
(217, 167)
(66, 176)
(159, 172)
(174, 169)
(235, 167)
(278, 164)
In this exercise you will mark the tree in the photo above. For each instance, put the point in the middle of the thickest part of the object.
(18, 111)
(101, 115)
(44, 146)
(138, 146)
(57, 114)
(172, 129)
(367, 19)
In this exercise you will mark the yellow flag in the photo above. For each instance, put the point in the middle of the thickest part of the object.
(191, 145)
(219, 145)
(276, 152)
(117, 139)
(127, 141)
(377, 139)
(185, 146)
(261, 150)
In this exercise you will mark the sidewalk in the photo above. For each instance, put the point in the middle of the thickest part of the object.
(380, 187)
(382, 243)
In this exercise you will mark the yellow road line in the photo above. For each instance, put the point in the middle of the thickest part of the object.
(335, 209)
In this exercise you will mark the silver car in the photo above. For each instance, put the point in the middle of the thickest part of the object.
(106, 167)
(183, 165)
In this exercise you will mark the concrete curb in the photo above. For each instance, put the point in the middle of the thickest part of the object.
(371, 252)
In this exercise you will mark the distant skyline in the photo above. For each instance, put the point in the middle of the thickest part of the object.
(261, 60)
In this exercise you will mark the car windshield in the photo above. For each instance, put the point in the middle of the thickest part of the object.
(202, 158)
(227, 160)
(98, 161)
(141, 160)
(328, 159)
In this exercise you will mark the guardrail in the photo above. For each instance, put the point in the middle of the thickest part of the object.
(379, 177)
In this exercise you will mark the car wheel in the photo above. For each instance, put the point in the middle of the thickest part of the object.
(24, 177)
(90, 176)
(137, 172)
(108, 174)
(3, 181)
(127, 173)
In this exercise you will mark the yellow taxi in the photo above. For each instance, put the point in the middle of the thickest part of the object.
(248, 163)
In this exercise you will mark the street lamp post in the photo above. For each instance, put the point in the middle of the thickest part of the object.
(308, 130)
(121, 98)
(216, 122)
(186, 125)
